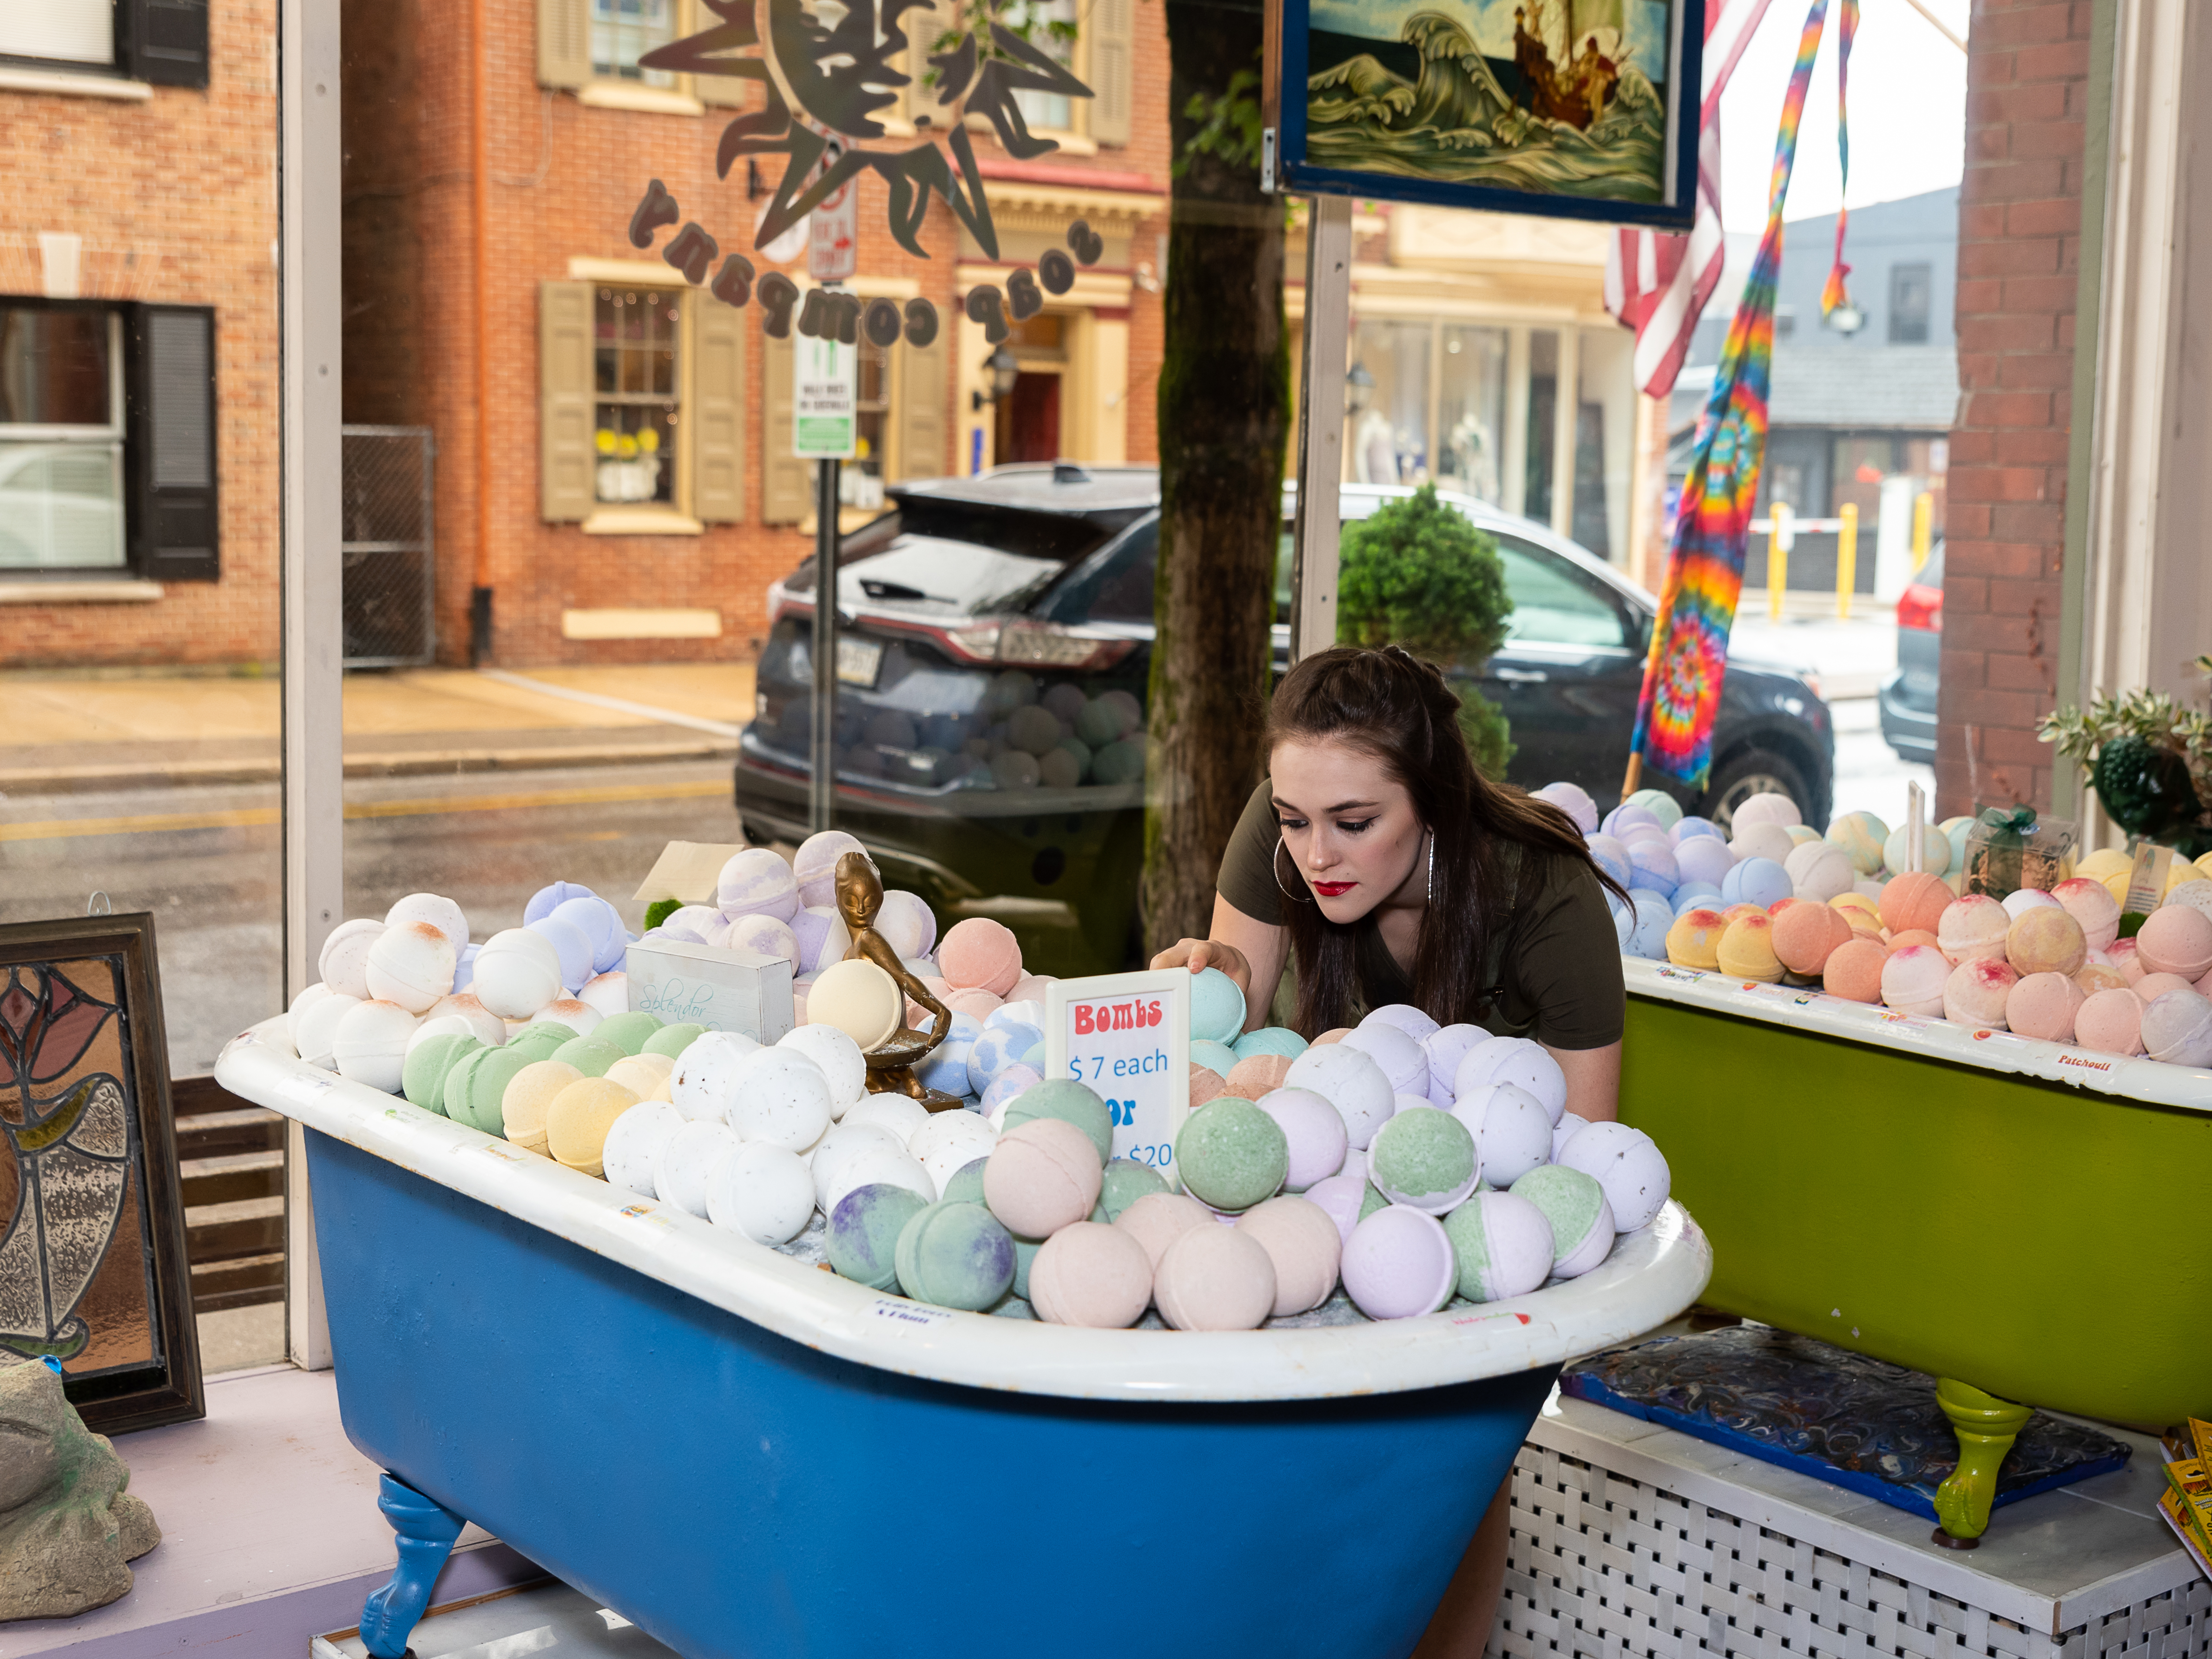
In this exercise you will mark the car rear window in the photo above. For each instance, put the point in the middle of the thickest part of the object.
(960, 558)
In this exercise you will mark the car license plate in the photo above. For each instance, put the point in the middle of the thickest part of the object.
(857, 660)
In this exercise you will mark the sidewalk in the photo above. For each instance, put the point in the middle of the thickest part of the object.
(65, 733)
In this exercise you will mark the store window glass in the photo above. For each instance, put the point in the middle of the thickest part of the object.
(624, 31)
(61, 439)
(60, 31)
(635, 352)
(1541, 441)
(1390, 441)
(1051, 26)
(860, 482)
(1912, 294)
(1471, 401)
(1605, 441)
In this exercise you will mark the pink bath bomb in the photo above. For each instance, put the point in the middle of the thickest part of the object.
(1205, 1084)
(2043, 1005)
(1336, 1034)
(1398, 1264)
(1854, 970)
(979, 954)
(1042, 1177)
(1157, 1219)
(977, 1004)
(2177, 1030)
(1916, 900)
(2046, 941)
(1973, 928)
(1093, 1275)
(2094, 976)
(1302, 1241)
(2092, 904)
(1257, 1076)
(1315, 1132)
(1912, 980)
(1807, 935)
(1215, 1279)
(2125, 956)
(2176, 938)
(1977, 990)
(2149, 987)
(2111, 1022)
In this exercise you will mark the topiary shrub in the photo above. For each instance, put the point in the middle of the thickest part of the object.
(1416, 573)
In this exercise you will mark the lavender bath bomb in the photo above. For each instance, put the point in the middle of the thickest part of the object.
(1403, 1061)
(2177, 1029)
(1522, 1062)
(1503, 1246)
(1627, 1165)
(1511, 1128)
(1398, 1264)
(756, 882)
(1313, 1131)
(1446, 1047)
(1572, 799)
(814, 865)
(1349, 1080)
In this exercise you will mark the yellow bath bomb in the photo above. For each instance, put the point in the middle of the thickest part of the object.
(2117, 885)
(641, 1074)
(529, 1093)
(1747, 950)
(2104, 861)
(860, 999)
(1694, 939)
(661, 1092)
(579, 1117)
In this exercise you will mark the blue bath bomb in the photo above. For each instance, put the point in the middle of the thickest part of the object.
(1007, 1085)
(1216, 1057)
(1694, 827)
(996, 1048)
(1070, 1101)
(1692, 894)
(1270, 1039)
(1624, 921)
(966, 1186)
(574, 946)
(546, 900)
(945, 1068)
(1651, 866)
(1756, 881)
(1647, 933)
(1611, 856)
(602, 924)
(861, 1240)
(1217, 1006)
(956, 1255)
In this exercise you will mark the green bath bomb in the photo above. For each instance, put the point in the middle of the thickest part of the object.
(541, 1041)
(861, 1240)
(1371, 1201)
(966, 1186)
(956, 1255)
(422, 1079)
(588, 1055)
(1231, 1155)
(1124, 1184)
(1068, 1101)
(672, 1039)
(1575, 1205)
(1025, 1253)
(477, 1083)
(627, 1032)
(1425, 1157)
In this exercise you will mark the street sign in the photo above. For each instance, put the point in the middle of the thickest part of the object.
(833, 232)
(1127, 1038)
(823, 389)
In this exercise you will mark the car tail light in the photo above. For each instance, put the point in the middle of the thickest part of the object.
(1046, 645)
(1921, 606)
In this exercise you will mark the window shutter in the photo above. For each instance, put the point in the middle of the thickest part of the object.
(923, 25)
(565, 455)
(922, 394)
(1113, 48)
(715, 406)
(169, 438)
(564, 43)
(787, 481)
(168, 41)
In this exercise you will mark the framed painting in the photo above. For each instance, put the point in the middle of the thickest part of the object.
(92, 1269)
(1580, 109)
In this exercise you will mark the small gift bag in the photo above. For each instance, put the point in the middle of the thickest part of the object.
(2008, 849)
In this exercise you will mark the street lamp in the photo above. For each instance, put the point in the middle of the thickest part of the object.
(1359, 383)
(1004, 369)
(1846, 319)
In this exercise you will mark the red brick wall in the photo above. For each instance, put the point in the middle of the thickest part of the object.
(2019, 247)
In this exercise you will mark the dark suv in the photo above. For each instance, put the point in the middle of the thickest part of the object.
(992, 673)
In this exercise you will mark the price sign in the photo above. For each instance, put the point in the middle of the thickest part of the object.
(1126, 1037)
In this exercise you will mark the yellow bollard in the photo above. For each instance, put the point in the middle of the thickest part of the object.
(1777, 557)
(1923, 528)
(1847, 559)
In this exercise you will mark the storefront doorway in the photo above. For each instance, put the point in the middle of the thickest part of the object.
(1029, 420)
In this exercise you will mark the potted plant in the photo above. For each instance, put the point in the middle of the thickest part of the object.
(2149, 759)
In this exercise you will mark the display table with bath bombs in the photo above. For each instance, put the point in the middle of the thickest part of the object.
(751, 1411)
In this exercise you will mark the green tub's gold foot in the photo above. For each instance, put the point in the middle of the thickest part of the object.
(1986, 1427)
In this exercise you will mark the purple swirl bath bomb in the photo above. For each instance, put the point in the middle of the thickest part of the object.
(2043, 1006)
(1398, 1264)
(2110, 1023)
(1302, 1241)
(1912, 980)
(1703, 859)
(908, 922)
(2177, 1029)
(955, 1255)
(757, 882)
(1522, 1062)
(1446, 1047)
(1092, 1275)
(1977, 989)
(762, 936)
(1316, 1133)
(1572, 799)
(814, 865)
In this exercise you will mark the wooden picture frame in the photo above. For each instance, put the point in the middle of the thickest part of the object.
(92, 1268)
(1358, 111)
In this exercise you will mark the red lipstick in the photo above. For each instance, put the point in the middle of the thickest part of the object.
(1333, 889)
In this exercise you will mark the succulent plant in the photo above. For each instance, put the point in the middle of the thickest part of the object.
(2149, 759)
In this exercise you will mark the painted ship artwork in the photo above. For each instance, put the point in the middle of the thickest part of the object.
(1566, 97)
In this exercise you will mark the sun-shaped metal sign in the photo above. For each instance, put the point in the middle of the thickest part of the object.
(827, 83)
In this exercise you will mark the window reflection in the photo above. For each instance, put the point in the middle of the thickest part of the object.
(636, 366)
(624, 31)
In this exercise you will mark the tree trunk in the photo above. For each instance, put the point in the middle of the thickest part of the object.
(1223, 412)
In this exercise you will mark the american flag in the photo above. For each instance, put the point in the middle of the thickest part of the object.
(1656, 283)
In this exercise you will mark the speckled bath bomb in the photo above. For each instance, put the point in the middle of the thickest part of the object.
(1425, 1157)
(1231, 1155)
(2047, 940)
(1070, 1101)
(955, 1255)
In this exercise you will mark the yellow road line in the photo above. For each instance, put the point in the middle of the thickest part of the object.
(255, 817)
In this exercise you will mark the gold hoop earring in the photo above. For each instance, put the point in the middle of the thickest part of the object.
(1272, 870)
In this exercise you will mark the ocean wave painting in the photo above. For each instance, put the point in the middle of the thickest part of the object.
(1554, 97)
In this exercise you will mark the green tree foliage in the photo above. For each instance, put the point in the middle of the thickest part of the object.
(1417, 574)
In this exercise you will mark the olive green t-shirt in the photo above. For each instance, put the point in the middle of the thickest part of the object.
(1554, 972)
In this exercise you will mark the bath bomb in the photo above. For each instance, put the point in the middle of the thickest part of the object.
(1217, 1058)
(602, 924)
(821, 936)
(1217, 1006)
(814, 865)
(1070, 1102)
(1302, 1243)
(1977, 990)
(1610, 855)
(1445, 1048)
(422, 1073)
(631, 1151)
(1398, 1264)
(948, 1142)
(1254, 1079)
(1746, 951)
(1756, 880)
(2149, 987)
(1737, 912)
(1651, 866)
(966, 1184)
(476, 1084)
(540, 1040)
(1627, 817)
(578, 1118)
(673, 1040)
(1973, 928)
(1314, 1133)
(847, 1139)
(590, 1056)
(1819, 871)
(955, 1255)
(1403, 1061)
(306, 999)
(1575, 1204)
(1690, 826)
(861, 1237)
(1006, 1088)
(1206, 1083)
(1522, 1062)
(998, 1048)
(1770, 841)
(1349, 1080)
(573, 1015)
(692, 924)
(907, 921)
(1935, 851)
(1915, 900)
(550, 897)
(2095, 975)
(757, 882)
(1501, 1244)
(762, 936)
(1805, 935)
(979, 954)
(441, 913)
(2043, 1005)
(1645, 925)
(1863, 836)
(1694, 939)
(517, 973)
(1124, 1183)
(343, 963)
(1854, 970)
(902, 1115)
(1231, 1154)
(1572, 799)
(2088, 903)
(1092, 1275)
(705, 1077)
(1427, 1157)
(2048, 941)
(1769, 806)
(2177, 1029)
(369, 1044)
(411, 964)
(608, 993)
(1046, 1174)
(1660, 806)
(2122, 954)
(627, 1031)
(2019, 902)
(2110, 1023)
(1157, 1219)
(2175, 939)
(1511, 1128)
(838, 1057)
(1342, 1198)
(528, 1097)
(572, 947)
(1215, 1279)
(1627, 1165)
(762, 1192)
(1913, 980)
(1898, 941)
(777, 1095)
(1704, 858)
(859, 1000)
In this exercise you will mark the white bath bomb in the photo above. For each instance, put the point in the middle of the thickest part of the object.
(1446, 1047)
(866, 1164)
(1350, 1080)
(778, 1096)
(814, 867)
(370, 1044)
(1762, 841)
(517, 973)
(435, 1025)
(841, 1141)
(1512, 1129)
(578, 1015)
(607, 992)
(821, 936)
(2020, 900)
(761, 1191)
(1503, 1246)
(343, 964)
(900, 1114)
(1522, 1062)
(757, 883)
(634, 1139)
(762, 936)
(1628, 1164)
(692, 924)
(484, 1026)
(442, 913)
(1401, 1058)
(688, 1161)
(1770, 807)
(951, 1141)
(1818, 872)
(704, 1082)
(842, 1064)
(1565, 1130)
(907, 921)
(315, 1028)
(308, 997)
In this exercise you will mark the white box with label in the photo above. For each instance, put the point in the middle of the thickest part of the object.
(722, 990)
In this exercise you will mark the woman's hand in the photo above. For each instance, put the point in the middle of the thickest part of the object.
(1200, 954)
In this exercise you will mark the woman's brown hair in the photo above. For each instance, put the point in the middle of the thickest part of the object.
(1393, 706)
